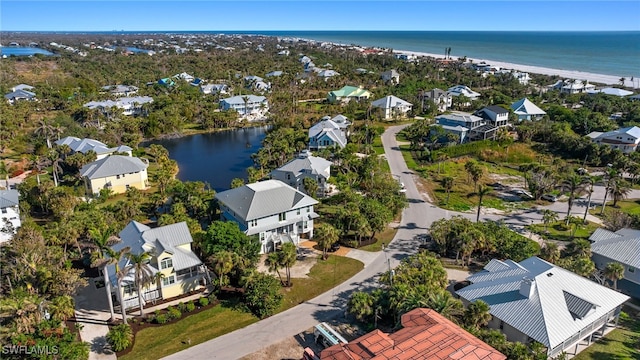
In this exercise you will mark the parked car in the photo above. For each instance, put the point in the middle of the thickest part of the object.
(335, 247)
(549, 197)
(522, 194)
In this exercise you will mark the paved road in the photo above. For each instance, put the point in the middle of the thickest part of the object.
(416, 219)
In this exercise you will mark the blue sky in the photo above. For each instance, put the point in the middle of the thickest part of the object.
(27, 15)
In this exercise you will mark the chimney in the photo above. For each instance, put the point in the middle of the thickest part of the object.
(526, 287)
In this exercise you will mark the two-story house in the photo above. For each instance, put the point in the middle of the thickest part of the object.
(623, 139)
(246, 105)
(272, 210)
(305, 166)
(9, 214)
(495, 118)
(462, 90)
(347, 94)
(392, 107)
(441, 98)
(329, 132)
(526, 110)
(534, 300)
(85, 145)
(171, 256)
(622, 246)
(131, 105)
(459, 123)
(115, 172)
(391, 76)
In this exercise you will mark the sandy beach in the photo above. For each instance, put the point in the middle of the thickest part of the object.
(566, 74)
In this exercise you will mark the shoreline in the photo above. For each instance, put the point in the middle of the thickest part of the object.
(565, 74)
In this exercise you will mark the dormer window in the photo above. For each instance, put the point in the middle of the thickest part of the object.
(166, 263)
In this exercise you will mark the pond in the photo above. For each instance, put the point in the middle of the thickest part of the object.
(215, 158)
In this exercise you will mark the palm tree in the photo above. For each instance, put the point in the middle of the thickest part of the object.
(591, 181)
(288, 257)
(23, 310)
(361, 305)
(447, 184)
(4, 172)
(619, 191)
(614, 271)
(222, 264)
(477, 314)
(610, 178)
(45, 130)
(550, 252)
(482, 191)
(575, 184)
(326, 235)
(114, 257)
(56, 160)
(62, 308)
(103, 240)
(445, 304)
(548, 217)
(273, 263)
(143, 273)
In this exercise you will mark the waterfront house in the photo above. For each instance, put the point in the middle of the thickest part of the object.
(425, 334)
(132, 105)
(459, 123)
(572, 86)
(171, 256)
(116, 173)
(462, 90)
(391, 76)
(534, 300)
(214, 89)
(274, 211)
(392, 107)
(622, 246)
(9, 214)
(247, 106)
(623, 139)
(526, 110)
(329, 132)
(495, 118)
(347, 94)
(305, 165)
(441, 98)
(85, 145)
(611, 91)
(120, 90)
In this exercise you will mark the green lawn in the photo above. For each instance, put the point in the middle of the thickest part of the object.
(631, 207)
(156, 342)
(620, 344)
(384, 237)
(556, 231)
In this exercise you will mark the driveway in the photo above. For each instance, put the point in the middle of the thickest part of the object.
(92, 312)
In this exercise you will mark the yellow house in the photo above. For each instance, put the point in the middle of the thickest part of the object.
(115, 172)
(177, 268)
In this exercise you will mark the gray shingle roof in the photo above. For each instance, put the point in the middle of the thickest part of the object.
(264, 198)
(307, 164)
(8, 198)
(551, 313)
(112, 165)
(622, 246)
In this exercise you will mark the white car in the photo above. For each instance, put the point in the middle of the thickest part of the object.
(549, 197)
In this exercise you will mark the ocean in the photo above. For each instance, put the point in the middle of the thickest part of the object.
(607, 53)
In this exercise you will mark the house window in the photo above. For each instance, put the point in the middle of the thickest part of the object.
(128, 289)
(288, 176)
(171, 279)
(632, 270)
(253, 223)
(297, 211)
(166, 263)
(501, 324)
(282, 216)
(305, 224)
(4, 210)
(117, 176)
(309, 209)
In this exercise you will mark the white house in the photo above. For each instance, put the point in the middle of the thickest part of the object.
(392, 106)
(214, 89)
(441, 98)
(304, 166)
(623, 139)
(271, 209)
(329, 133)
(131, 105)
(526, 110)
(611, 91)
(326, 74)
(391, 76)
(171, 255)
(184, 76)
(247, 106)
(120, 90)
(115, 172)
(20, 94)
(536, 300)
(85, 145)
(463, 90)
(622, 246)
(9, 214)
(572, 86)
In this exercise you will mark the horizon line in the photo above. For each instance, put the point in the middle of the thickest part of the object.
(293, 30)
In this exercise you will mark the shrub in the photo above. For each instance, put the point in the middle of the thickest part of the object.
(120, 337)
(190, 306)
(161, 319)
(203, 301)
(263, 295)
(212, 298)
(182, 307)
(173, 313)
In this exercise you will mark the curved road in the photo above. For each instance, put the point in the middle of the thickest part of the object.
(416, 219)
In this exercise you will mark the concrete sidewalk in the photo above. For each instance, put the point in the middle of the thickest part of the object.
(92, 314)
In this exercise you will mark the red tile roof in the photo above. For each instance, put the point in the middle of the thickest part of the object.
(425, 335)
